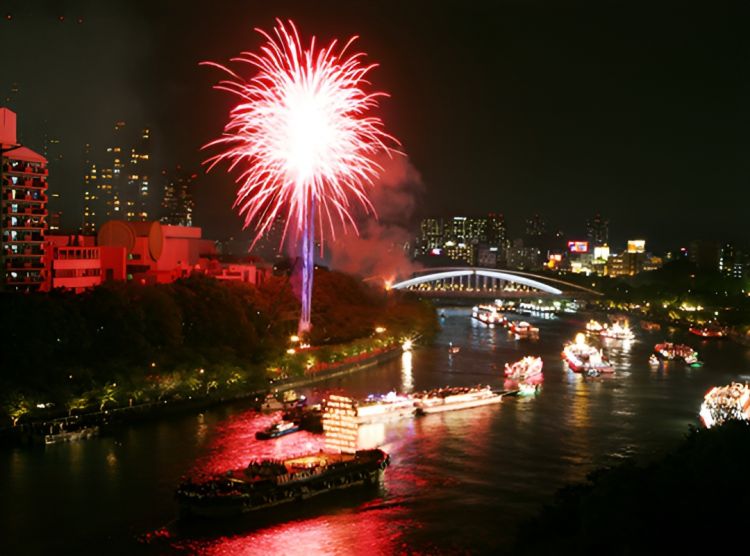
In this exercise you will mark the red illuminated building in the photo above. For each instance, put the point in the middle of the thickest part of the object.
(23, 175)
(145, 252)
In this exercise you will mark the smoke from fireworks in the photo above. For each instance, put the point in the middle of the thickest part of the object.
(302, 141)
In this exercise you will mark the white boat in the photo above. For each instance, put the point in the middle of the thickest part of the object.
(594, 327)
(527, 368)
(454, 398)
(584, 358)
(389, 407)
(523, 329)
(488, 314)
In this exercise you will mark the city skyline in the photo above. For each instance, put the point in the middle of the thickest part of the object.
(640, 131)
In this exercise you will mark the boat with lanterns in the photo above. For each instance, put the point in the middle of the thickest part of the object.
(709, 331)
(726, 403)
(452, 398)
(524, 369)
(523, 330)
(488, 314)
(618, 332)
(594, 327)
(670, 351)
(266, 483)
(585, 358)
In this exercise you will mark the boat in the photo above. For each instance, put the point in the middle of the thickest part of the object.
(270, 403)
(709, 331)
(653, 360)
(382, 408)
(670, 351)
(282, 428)
(453, 398)
(488, 314)
(453, 349)
(267, 483)
(527, 389)
(726, 403)
(650, 326)
(57, 434)
(523, 329)
(584, 358)
(525, 369)
(594, 327)
(617, 331)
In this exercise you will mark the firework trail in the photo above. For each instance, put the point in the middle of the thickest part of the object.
(302, 141)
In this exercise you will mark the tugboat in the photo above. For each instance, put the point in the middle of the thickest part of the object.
(267, 483)
(282, 428)
(583, 358)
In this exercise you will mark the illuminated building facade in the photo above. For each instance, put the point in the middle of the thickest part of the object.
(23, 177)
(117, 179)
(177, 202)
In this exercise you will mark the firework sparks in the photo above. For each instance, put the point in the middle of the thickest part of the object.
(302, 141)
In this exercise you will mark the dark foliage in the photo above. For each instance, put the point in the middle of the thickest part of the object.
(692, 501)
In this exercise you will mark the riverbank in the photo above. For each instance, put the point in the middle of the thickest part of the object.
(34, 431)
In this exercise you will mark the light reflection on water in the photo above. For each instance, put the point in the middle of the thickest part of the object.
(459, 481)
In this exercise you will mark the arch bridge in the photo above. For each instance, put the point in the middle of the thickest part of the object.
(484, 282)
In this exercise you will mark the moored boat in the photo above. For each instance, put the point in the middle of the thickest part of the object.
(709, 331)
(454, 398)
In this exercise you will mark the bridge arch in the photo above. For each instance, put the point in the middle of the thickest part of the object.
(527, 279)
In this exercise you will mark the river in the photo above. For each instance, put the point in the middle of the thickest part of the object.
(459, 482)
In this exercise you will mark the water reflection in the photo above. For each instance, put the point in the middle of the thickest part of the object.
(407, 378)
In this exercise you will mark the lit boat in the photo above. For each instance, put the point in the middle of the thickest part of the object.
(527, 389)
(388, 407)
(584, 358)
(453, 349)
(276, 430)
(617, 332)
(653, 360)
(725, 403)
(488, 314)
(709, 331)
(670, 351)
(650, 326)
(594, 327)
(453, 398)
(268, 483)
(527, 368)
(523, 329)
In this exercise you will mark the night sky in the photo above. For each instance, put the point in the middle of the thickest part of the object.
(630, 109)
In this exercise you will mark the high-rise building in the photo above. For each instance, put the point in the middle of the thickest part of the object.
(535, 226)
(23, 219)
(597, 230)
(177, 202)
(727, 259)
(496, 230)
(431, 235)
(117, 179)
(704, 254)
